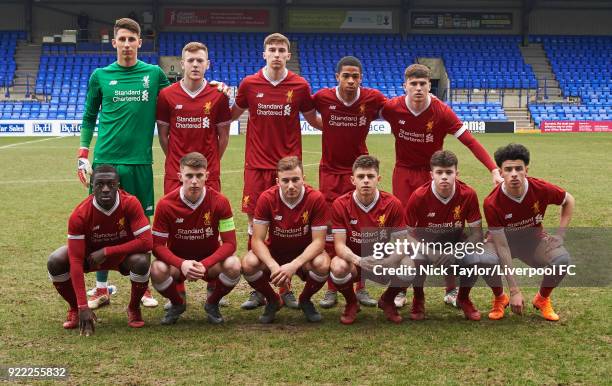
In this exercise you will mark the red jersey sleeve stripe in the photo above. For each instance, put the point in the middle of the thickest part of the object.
(160, 234)
(261, 222)
(320, 228)
(339, 230)
(76, 237)
(460, 131)
(144, 228)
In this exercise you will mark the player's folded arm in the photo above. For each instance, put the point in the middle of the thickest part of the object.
(142, 243)
(227, 231)
(162, 252)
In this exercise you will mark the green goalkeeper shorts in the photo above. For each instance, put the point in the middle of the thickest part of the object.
(136, 180)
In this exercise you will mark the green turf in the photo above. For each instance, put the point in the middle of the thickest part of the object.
(39, 188)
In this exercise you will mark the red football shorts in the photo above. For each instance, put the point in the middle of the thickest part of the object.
(407, 180)
(256, 181)
(171, 184)
(334, 185)
(112, 264)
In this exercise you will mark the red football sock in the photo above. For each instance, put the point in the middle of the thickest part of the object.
(359, 285)
(390, 293)
(546, 291)
(138, 289)
(180, 286)
(311, 287)
(347, 291)
(172, 293)
(449, 281)
(220, 291)
(418, 293)
(331, 286)
(464, 293)
(263, 286)
(497, 291)
(67, 291)
(249, 243)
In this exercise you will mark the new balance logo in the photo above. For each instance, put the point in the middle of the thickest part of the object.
(353, 222)
(178, 107)
(401, 122)
(332, 107)
(431, 214)
(508, 216)
(259, 95)
(179, 220)
(112, 83)
(96, 228)
(278, 218)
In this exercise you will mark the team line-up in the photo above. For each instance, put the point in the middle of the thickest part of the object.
(319, 235)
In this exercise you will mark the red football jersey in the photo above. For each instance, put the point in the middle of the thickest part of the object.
(433, 217)
(91, 228)
(366, 225)
(345, 126)
(273, 130)
(193, 119)
(290, 226)
(417, 137)
(100, 228)
(504, 212)
(191, 229)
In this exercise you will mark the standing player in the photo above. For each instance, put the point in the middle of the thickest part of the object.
(515, 211)
(289, 230)
(274, 97)
(420, 122)
(357, 217)
(193, 115)
(186, 230)
(346, 112)
(107, 231)
(123, 96)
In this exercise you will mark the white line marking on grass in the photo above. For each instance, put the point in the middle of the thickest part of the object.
(75, 179)
(27, 142)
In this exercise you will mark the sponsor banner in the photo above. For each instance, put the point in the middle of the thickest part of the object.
(339, 19)
(481, 127)
(461, 20)
(576, 126)
(376, 127)
(58, 128)
(221, 17)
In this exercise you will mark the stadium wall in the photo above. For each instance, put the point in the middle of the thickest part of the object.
(571, 22)
(13, 17)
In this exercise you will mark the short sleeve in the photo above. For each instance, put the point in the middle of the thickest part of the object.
(411, 217)
(242, 100)
(263, 211)
(162, 109)
(224, 113)
(320, 216)
(161, 227)
(307, 100)
(76, 226)
(493, 221)
(338, 217)
(473, 209)
(163, 79)
(554, 194)
(451, 123)
(136, 217)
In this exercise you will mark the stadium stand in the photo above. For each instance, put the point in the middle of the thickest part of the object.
(582, 66)
(8, 44)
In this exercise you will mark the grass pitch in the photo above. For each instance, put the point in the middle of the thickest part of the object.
(39, 189)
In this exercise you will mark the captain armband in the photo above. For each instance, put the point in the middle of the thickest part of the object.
(226, 225)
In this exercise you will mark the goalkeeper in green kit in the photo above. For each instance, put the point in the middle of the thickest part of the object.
(123, 95)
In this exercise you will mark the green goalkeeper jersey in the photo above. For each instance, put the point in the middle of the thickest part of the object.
(125, 98)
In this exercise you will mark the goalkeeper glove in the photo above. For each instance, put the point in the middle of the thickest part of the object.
(83, 167)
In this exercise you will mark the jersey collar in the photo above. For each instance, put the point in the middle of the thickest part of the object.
(517, 200)
(417, 113)
(274, 82)
(290, 206)
(111, 210)
(190, 204)
(440, 198)
(348, 104)
(193, 94)
(368, 208)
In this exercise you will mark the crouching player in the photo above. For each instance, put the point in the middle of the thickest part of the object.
(186, 230)
(514, 211)
(354, 214)
(107, 231)
(289, 228)
(437, 214)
